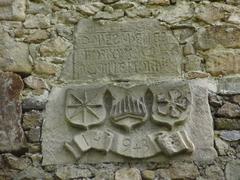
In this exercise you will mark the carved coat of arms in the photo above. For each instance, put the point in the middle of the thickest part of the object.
(85, 107)
(134, 125)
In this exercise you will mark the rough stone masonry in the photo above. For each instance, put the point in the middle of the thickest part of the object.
(120, 89)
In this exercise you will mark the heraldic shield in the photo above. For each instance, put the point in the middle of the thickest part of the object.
(85, 107)
(171, 104)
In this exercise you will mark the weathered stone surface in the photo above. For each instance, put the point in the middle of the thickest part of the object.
(72, 172)
(45, 68)
(123, 4)
(188, 49)
(159, 2)
(102, 15)
(234, 18)
(215, 100)
(15, 162)
(12, 10)
(228, 85)
(193, 63)
(35, 82)
(87, 9)
(229, 110)
(182, 170)
(230, 135)
(38, 21)
(124, 50)
(64, 31)
(128, 174)
(34, 148)
(13, 55)
(232, 170)
(33, 173)
(35, 102)
(8, 173)
(214, 172)
(183, 33)
(221, 146)
(36, 159)
(211, 36)
(236, 99)
(228, 124)
(148, 174)
(140, 11)
(69, 131)
(197, 75)
(11, 133)
(233, 2)
(54, 47)
(34, 135)
(173, 14)
(163, 174)
(222, 61)
(109, 1)
(32, 119)
(38, 7)
(37, 36)
(209, 13)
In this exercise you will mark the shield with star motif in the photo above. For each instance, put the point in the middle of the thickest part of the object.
(84, 107)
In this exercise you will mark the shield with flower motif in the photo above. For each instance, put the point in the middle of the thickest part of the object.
(84, 107)
(171, 103)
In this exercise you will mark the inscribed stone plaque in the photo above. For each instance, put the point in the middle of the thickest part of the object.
(123, 50)
(114, 123)
(12, 10)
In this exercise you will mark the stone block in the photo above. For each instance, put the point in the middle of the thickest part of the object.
(119, 50)
(153, 122)
(12, 10)
(229, 110)
(72, 172)
(226, 123)
(210, 37)
(128, 174)
(229, 85)
(230, 135)
(232, 170)
(11, 133)
(183, 170)
(14, 56)
(221, 61)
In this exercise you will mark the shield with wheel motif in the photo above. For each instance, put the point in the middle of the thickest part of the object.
(84, 107)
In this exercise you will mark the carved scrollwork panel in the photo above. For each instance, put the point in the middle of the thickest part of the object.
(119, 122)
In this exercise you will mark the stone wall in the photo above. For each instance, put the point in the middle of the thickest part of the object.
(37, 42)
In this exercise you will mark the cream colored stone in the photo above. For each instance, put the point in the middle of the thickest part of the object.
(12, 10)
(14, 56)
(222, 61)
(148, 174)
(159, 2)
(44, 68)
(128, 174)
(54, 47)
(209, 13)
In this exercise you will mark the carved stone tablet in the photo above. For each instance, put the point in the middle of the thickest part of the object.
(12, 10)
(115, 123)
(123, 50)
